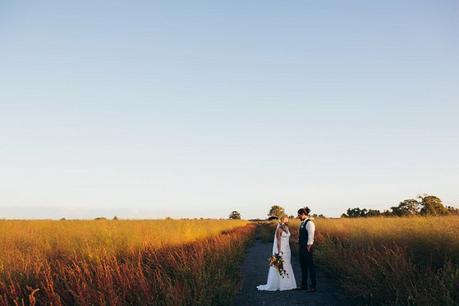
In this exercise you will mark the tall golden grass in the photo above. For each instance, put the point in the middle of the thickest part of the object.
(121, 262)
(391, 261)
(394, 261)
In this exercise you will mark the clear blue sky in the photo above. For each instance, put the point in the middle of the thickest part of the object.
(195, 108)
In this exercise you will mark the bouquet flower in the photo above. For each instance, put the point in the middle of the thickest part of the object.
(277, 262)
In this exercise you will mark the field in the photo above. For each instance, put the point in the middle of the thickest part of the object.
(376, 261)
(185, 262)
(390, 261)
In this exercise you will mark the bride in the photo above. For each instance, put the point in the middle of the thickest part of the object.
(281, 246)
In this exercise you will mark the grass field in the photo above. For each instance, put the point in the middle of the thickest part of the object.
(394, 261)
(121, 262)
(390, 261)
(376, 261)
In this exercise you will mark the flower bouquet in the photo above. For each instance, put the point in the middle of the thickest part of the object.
(277, 262)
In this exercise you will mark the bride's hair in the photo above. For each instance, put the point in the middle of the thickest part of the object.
(281, 224)
(282, 218)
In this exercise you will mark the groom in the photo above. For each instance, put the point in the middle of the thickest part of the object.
(306, 240)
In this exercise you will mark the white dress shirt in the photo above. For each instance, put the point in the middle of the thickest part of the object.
(311, 228)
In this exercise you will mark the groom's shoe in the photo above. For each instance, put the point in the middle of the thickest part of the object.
(301, 288)
(311, 290)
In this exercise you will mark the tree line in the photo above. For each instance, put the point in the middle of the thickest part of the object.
(425, 205)
(275, 212)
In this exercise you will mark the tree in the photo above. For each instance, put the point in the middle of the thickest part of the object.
(425, 205)
(387, 213)
(356, 212)
(235, 215)
(373, 213)
(276, 211)
(432, 206)
(408, 207)
(452, 210)
(321, 216)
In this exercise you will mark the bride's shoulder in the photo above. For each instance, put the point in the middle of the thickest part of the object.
(279, 228)
(283, 228)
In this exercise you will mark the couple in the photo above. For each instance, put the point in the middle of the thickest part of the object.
(281, 246)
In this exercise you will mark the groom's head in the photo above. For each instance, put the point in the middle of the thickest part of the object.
(303, 213)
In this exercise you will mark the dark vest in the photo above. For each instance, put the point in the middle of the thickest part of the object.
(303, 234)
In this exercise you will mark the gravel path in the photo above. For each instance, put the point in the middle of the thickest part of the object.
(255, 272)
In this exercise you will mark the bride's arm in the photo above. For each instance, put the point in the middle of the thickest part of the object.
(278, 236)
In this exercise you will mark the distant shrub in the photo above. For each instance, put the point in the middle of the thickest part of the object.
(235, 215)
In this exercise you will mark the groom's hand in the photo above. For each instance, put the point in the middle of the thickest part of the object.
(309, 247)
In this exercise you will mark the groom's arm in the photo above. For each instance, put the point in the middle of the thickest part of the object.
(311, 228)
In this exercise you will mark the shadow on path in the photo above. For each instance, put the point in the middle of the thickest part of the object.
(255, 272)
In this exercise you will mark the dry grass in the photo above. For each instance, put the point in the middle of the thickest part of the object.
(121, 262)
(389, 261)
(392, 261)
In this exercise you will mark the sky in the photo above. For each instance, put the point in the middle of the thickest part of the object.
(149, 109)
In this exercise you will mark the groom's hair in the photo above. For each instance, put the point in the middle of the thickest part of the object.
(304, 211)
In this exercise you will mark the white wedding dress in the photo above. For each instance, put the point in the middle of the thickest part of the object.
(275, 281)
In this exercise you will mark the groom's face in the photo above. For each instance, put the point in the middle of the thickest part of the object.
(302, 217)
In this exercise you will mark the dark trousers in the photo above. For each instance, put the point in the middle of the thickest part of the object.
(307, 266)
